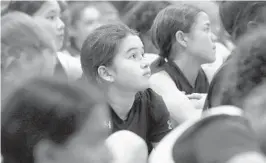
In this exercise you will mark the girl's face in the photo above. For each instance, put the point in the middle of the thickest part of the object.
(130, 69)
(200, 41)
(51, 11)
(90, 19)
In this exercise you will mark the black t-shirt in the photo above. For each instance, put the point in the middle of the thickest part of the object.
(181, 82)
(148, 118)
(215, 140)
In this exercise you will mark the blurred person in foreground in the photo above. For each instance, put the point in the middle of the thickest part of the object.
(238, 18)
(254, 106)
(112, 57)
(47, 120)
(26, 50)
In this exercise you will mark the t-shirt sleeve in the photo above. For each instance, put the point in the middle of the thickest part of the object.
(160, 123)
(224, 139)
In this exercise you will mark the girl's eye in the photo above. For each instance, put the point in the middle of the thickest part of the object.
(51, 17)
(134, 56)
(206, 29)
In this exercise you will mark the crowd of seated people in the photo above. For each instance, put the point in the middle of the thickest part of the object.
(133, 81)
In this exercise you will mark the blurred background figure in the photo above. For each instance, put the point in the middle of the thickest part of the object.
(26, 50)
(84, 18)
(47, 120)
(140, 18)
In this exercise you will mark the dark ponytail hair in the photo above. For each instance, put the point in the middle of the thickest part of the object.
(28, 7)
(173, 18)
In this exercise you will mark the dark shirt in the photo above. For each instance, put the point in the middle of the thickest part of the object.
(148, 118)
(215, 140)
(181, 82)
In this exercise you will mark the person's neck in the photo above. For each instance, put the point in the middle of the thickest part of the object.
(76, 46)
(120, 101)
(189, 66)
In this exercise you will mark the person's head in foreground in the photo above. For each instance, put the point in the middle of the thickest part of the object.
(247, 69)
(48, 10)
(86, 16)
(127, 147)
(56, 122)
(254, 108)
(238, 17)
(26, 49)
(112, 56)
(183, 31)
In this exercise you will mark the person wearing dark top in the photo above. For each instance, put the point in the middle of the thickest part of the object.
(238, 18)
(182, 83)
(181, 56)
(183, 36)
(112, 57)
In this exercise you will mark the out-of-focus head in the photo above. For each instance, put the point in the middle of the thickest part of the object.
(183, 28)
(113, 55)
(26, 49)
(48, 10)
(247, 69)
(140, 18)
(87, 16)
(239, 16)
(51, 121)
(127, 147)
(254, 109)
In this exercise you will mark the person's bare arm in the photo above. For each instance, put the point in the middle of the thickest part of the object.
(179, 106)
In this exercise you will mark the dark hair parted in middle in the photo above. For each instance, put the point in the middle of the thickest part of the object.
(170, 20)
(101, 46)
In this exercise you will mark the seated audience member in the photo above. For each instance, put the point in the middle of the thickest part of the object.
(56, 122)
(183, 36)
(238, 18)
(112, 56)
(26, 50)
(84, 18)
(50, 12)
(140, 18)
(134, 151)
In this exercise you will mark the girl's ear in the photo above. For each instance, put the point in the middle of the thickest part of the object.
(181, 38)
(106, 73)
